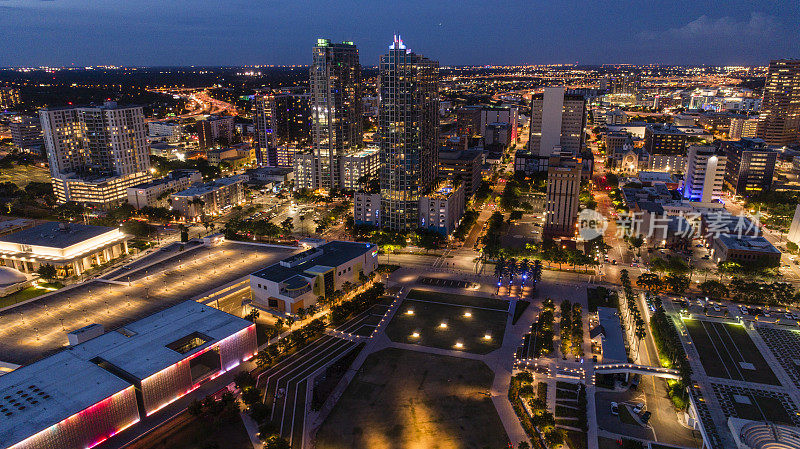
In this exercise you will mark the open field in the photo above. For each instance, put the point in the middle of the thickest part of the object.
(21, 175)
(727, 351)
(406, 399)
(446, 323)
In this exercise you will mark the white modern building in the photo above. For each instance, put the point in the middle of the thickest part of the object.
(71, 248)
(298, 281)
(705, 174)
(155, 192)
(557, 120)
(211, 198)
(84, 395)
(360, 164)
(167, 130)
(441, 210)
(96, 153)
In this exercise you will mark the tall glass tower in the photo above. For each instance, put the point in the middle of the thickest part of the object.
(408, 130)
(336, 108)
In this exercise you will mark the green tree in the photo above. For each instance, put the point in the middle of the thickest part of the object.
(649, 281)
(677, 283)
(276, 442)
(253, 315)
(47, 271)
(714, 289)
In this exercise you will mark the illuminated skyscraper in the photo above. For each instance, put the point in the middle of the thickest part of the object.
(779, 123)
(335, 108)
(408, 130)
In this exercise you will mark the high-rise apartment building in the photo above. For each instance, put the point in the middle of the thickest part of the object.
(743, 127)
(408, 130)
(26, 133)
(462, 166)
(336, 108)
(280, 120)
(750, 167)
(557, 120)
(9, 97)
(215, 130)
(664, 140)
(779, 122)
(705, 174)
(563, 191)
(96, 153)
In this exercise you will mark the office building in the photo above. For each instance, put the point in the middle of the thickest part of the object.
(468, 121)
(500, 114)
(779, 121)
(81, 396)
(746, 250)
(408, 129)
(212, 198)
(281, 120)
(743, 128)
(557, 120)
(299, 280)
(664, 140)
(563, 190)
(271, 175)
(215, 131)
(304, 168)
(336, 108)
(529, 163)
(358, 167)
(367, 209)
(96, 153)
(26, 134)
(750, 167)
(9, 98)
(154, 193)
(615, 141)
(442, 208)
(671, 163)
(167, 130)
(463, 166)
(705, 174)
(497, 135)
(72, 248)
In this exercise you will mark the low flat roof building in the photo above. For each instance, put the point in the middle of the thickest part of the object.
(753, 251)
(71, 248)
(211, 198)
(83, 395)
(297, 281)
(153, 192)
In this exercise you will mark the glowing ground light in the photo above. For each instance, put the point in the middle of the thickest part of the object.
(459, 345)
(410, 312)
(415, 335)
(467, 314)
(443, 325)
(487, 337)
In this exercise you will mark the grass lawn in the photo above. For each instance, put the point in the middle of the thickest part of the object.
(405, 399)
(21, 175)
(723, 346)
(427, 321)
(187, 432)
(461, 300)
(577, 440)
(22, 295)
(567, 412)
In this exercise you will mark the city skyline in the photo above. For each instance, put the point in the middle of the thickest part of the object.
(178, 34)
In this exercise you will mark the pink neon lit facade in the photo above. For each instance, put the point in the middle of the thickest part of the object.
(90, 426)
(175, 381)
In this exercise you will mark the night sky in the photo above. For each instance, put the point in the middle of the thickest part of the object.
(456, 32)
